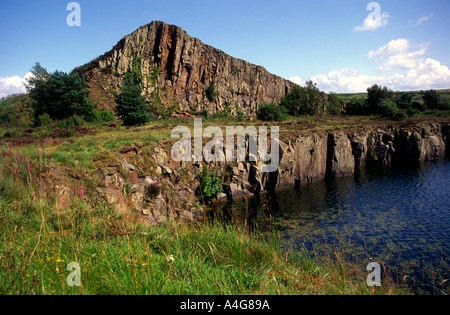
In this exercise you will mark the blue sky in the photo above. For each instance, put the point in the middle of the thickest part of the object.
(331, 42)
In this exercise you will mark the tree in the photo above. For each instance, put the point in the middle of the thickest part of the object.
(316, 99)
(295, 100)
(130, 105)
(404, 100)
(334, 104)
(432, 99)
(376, 94)
(357, 106)
(59, 94)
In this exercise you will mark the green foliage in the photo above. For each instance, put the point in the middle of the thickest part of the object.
(310, 101)
(103, 116)
(134, 71)
(432, 99)
(211, 92)
(240, 116)
(130, 105)
(389, 109)
(272, 112)
(316, 100)
(70, 123)
(210, 184)
(153, 76)
(444, 105)
(375, 95)
(335, 105)
(60, 95)
(44, 119)
(295, 101)
(16, 111)
(419, 106)
(404, 100)
(357, 107)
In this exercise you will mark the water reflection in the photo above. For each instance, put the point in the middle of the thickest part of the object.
(400, 218)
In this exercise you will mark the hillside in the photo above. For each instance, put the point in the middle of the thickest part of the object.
(183, 73)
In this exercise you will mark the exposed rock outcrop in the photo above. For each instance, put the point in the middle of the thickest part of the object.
(308, 158)
(186, 69)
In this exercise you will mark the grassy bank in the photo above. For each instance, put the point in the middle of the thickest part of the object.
(43, 229)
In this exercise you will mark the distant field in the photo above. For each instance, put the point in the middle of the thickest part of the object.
(445, 94)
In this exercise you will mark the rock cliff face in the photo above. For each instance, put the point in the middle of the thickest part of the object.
(186, 69)
(303, 159)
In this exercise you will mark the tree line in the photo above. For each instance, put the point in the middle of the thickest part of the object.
(380, 101)
(395, 105)
(60, 95)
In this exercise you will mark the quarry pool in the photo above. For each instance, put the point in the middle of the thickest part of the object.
(399, 219)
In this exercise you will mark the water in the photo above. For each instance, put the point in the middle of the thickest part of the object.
(400, 219)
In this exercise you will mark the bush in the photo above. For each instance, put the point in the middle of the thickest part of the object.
(105, 115)
(210, 184)
(44, 119)
(272, 112)
(211, 92)
(419, 106)
(357, 106)
(389, 109)
(444, 105)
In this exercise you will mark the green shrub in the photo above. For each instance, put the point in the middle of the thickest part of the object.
(44, 119)
(272, 112)
(419, 106)
(389, 109)
(357, 106)
(210, 184)
(105, 115)
(444, 105)
(211, 92)
(70, 122)
(204, 113)
(240, 116)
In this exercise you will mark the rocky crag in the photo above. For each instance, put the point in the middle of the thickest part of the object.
(304, 159)
(179, 69)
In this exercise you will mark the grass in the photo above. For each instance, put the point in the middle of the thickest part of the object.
(44, 229)
(45, 226)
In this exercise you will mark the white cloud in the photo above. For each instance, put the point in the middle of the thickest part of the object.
(397, 54)
(412, 71)
(13, 85)
(374, 20)
(424, 19)
(297, 80)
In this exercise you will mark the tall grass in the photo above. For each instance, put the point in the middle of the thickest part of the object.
(44, 226)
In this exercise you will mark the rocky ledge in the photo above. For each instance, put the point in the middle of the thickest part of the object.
(173, 191)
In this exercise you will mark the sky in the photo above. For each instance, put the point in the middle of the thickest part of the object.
(344, 46)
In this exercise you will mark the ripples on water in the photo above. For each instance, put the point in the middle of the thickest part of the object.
(400, 219)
